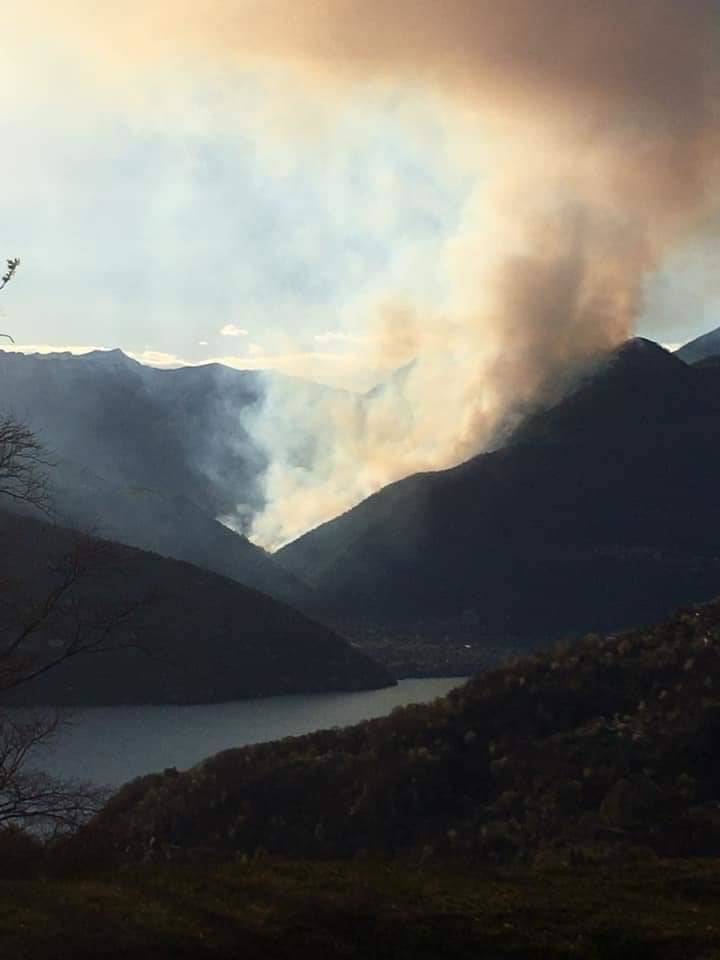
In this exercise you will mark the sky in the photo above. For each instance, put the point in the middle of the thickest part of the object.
(203, 226)
(188, 210)
(486, 196)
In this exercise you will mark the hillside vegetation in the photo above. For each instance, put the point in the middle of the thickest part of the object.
(594, 750)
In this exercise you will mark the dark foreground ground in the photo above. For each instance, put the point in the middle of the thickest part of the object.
(268, 910)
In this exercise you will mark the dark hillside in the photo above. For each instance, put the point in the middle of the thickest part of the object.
(201, 637)
(597, 749)
(152, 457)
(598, 514)
(140, 426)
(637, 388)
(707, 345)
(173, 526)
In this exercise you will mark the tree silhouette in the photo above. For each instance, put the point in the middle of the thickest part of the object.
(12, 266)
(43, 624)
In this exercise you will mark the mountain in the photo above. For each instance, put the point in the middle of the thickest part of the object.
(171, 525)
(708, 345)
(600, 513)
(185, 635)
(174, 431)
(607, 748)
(152, 457)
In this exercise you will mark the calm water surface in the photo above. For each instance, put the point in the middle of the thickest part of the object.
(110, 745)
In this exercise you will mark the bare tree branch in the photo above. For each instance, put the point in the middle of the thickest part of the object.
(29, 796)
(78, 614)
(12, 266)
(23, 465)
(59, 619)
(70, 618)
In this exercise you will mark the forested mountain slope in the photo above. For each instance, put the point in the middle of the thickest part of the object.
(599, 513)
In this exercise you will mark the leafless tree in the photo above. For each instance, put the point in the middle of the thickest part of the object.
(39, 631)
(12, 266)
(29, 796)
(43, 624)
(38, 635)
(23, 458)
(23, 465)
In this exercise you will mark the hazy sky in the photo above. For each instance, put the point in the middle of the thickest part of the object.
(235, 209)
(186, 217)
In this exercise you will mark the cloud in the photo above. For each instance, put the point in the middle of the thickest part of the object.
(157, 358)
(231, 330)
(339, 336)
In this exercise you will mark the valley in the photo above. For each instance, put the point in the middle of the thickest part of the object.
(441, 573)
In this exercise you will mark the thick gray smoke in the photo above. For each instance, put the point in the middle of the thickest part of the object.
(600, 129)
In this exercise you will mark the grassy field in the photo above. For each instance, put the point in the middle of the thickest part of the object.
(271, 910)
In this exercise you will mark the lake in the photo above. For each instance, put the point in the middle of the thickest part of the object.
(110, 745)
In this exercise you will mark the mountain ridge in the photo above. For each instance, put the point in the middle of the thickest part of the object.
(701, 348)
(601, 488)
(115, 426)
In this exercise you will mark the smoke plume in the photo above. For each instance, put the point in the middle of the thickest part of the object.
(595, 126)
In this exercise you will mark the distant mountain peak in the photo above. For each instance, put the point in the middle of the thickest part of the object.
(707, 345)
(115, 354)
(638, 356)
(599, 510)
(640, 348)
(640, 345)
(114, 357)
(109, 358)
